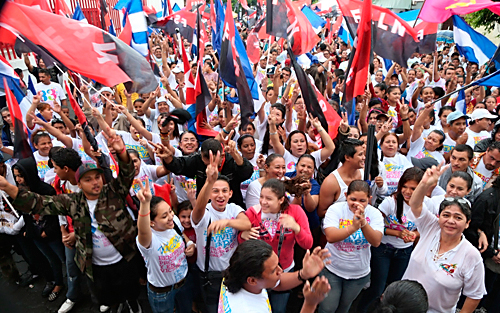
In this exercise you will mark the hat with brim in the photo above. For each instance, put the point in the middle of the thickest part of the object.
(453, 116)
(85, 168)
(180, 116)
(424, 163)
(479, 114)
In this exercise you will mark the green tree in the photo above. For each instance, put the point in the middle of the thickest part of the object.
(483, 18)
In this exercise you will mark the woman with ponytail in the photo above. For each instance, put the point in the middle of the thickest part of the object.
(390, 259)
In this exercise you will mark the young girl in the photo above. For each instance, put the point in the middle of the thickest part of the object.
(160, 242)
(274, 167)
(390, 259)
(425, 141)
(280, 224)
(350, 227)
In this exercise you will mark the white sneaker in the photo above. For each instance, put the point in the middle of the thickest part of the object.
(66, 306)
(103, 308)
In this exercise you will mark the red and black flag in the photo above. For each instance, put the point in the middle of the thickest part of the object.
(253, 42)
(22, 147)
(314, 101)
(230, 55)
(82, 48)
(357, 74)
(276, 18)
(393, 38)
(105, 21)
(24, 45)
(183, 19)
(302, 36)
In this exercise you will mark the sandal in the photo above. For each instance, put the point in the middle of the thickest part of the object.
(54, 295)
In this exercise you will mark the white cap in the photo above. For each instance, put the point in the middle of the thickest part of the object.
(177, 70)
(161, 99)
(107, 89)
(478, 114)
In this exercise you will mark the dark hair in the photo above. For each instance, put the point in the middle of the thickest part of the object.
(441, 141)
(464, 148)
(139, 100)
(65, 157)
(461, 203)
(348, 148)
(57, 121)
(446, 108)
(153, 208)
(243, 126)
(270, 158)
(280, 107)
(463, 175)
(240, 140)
(224, 178)
(438, 91)
(189, 132)
(278, 188)
(411, 174)
(36, 136)
(211, 145)
(494, 145)
(382, 140)
(134, 152)
(391, 88)
(44, 71)
(373, 102)
(288, 142)
(184, 206)
(403, 296)
(247, 261)
(358, 185)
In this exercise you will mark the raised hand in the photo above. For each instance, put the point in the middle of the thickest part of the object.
(387, 126)
(312, 264)
(261, 161)
(213, 167)
(315, 122)
(344, 123)
(144, 194)
(161, 151)
(217, 226)
(359, 216)
(114, 140)
(56, 107)
(432, 174)
(313, 295)
(253, 233)
(462, 139)
(37, 98)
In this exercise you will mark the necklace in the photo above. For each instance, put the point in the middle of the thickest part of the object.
(438, 256)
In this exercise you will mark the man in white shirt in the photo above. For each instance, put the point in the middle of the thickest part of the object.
(50, 91)
(480, 122)
(485, 165)
(254, 267)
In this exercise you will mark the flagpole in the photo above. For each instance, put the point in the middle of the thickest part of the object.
(10, 205)
(420, 11)
(453, 92)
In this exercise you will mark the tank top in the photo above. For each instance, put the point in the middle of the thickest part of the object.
(343, 186)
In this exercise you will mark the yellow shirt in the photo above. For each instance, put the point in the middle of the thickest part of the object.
(120, 88)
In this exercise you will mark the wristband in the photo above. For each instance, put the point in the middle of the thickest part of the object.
(366, 222)
(271, 134)
(144, 215)
(225, 131)
(189, 243)
(405, 119)
(300, 276)
(124, 149)
(322, 129)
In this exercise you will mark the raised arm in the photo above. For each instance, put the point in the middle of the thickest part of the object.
(204, 195)
(66, 140)
(387, 79)
(328, 145)
(416, 93)
(418, 128)
(429, 179)
(151, 99)
(403, 110)
(273, 135)
(137, 125)
(144, 234)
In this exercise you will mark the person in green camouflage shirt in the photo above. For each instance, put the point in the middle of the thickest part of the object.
(104, 229)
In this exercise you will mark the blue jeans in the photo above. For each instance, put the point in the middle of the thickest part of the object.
(278, 300)
(74, 275)
(342, 293)
(166, 301)
(388, 264)
(54, 252)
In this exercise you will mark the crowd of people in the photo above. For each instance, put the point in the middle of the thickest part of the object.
(268, 208)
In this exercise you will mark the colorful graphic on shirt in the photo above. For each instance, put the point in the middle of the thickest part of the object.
(43, 168)
(222, 242)
(171, 258)
(448, 268)
(484, 178)
(391, 222)
(99, 240)
(48, 95)
(142, 151)
(355, 241)
(141, 181)
(85, 157)
(269, 227)
(393, 174)
(255, 175)
(290, 167)
(447, 148)
(185, 182)
(478, 139)
(423, 154)
(225, 307)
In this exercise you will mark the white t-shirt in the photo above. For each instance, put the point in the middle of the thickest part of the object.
(51, 92)
(459, 270)
(78, 147)
(255, 175)
(223, 243)
(473, 137)
(103, 251)
(394, 169)
(291, 160)
(350, 257)
(42, 164)
(165, 258)
(483, 173)
(253, 194)
(130, 143)
(147, 172)
(417, 150)
(181, 182)
(243, 301)
(448, 144)
(388, 208)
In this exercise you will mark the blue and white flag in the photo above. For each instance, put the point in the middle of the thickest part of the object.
(78, 14)
(460, 104)
(7, 72)
(316, 21)
(138, 24)
(471, 44)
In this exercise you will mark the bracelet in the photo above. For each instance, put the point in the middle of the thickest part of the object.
(366, 222)
(346, 133)
(271, 134)
(124, 149)
(261, 170)
(322, 129)
(300, 276)
(189, 243)
(384, 231)
(144, 215)
(225, 131)
(405, 119)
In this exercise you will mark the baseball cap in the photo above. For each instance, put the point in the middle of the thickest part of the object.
(321, 57)
(84, 168)
(161, 99)
(177, 70)
(424, 163)
(478, 114)
(104, 89)
(453, 116)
